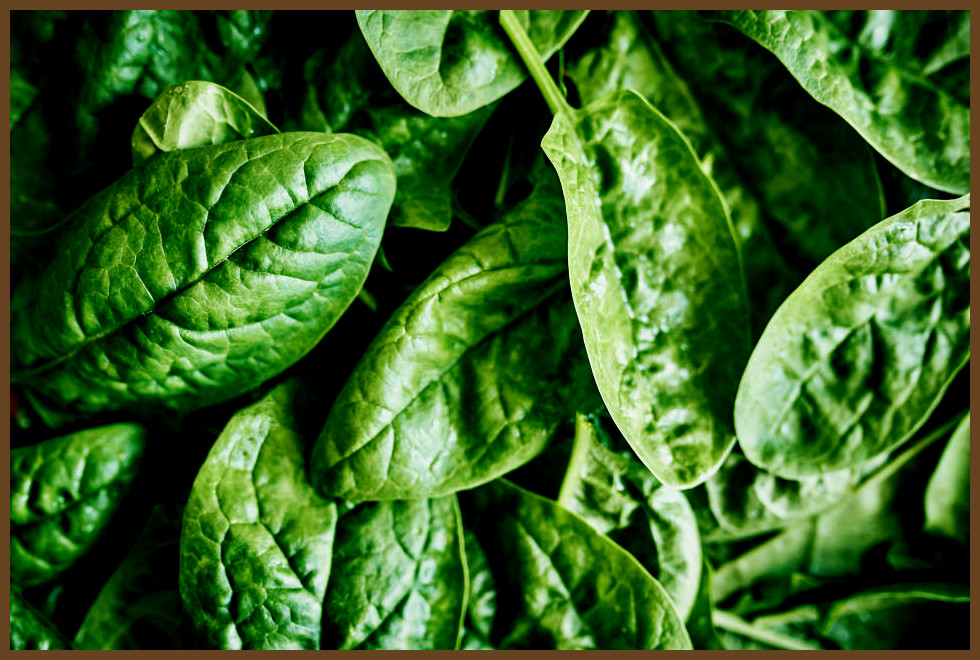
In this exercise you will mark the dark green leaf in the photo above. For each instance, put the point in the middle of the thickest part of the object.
(947, 499)
(398, 579)
(63, 494)
(856, 358)
(481, 607)
(29, 629)
(448, 63)
(202, 273)
(561, 584)
(257, 542)
(139, 607)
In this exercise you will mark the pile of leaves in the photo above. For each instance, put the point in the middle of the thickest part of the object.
(490, 330)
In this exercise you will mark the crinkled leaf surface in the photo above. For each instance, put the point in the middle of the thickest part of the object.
(616, 494)
(257, 542)
(470, 376)
(139, 606)
(855, 359)
(657, 282)
(629, 58)
(202, 273)
(947, 498)
(448, 63)
(814, 177)
(196, 114)
(29, 629)
(560, 583)
(63, 494)
(916, 125)
(398, 579)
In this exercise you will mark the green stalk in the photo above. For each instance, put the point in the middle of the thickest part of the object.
(532, 60)
(580, 448)
(735, 624)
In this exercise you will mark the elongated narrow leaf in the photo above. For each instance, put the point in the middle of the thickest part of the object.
(481, 606)
(29, 629)
(917, 126)
(947, 499)
(448, 63)
(470, 376)
(202, 273)
(398, 579)
(63, 494)
(657, 282)
(257, 542)
(563, 585)
(139, 607)
(196, 114)
(855, 359)
(616, 494)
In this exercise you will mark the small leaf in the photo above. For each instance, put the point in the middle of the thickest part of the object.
(947, 499)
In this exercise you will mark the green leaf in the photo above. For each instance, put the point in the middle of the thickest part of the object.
(202, 273)
(29, 629)
(257, 542)
(139, 606)
(616, 494)
(657, 282)
(917, 126)
(22, 94)
(448, 63)
(561, 584)
(700, 625)
(814, 177)
(398, 579)
(63, 494)
(481, 606)
(196, 114)
(470, 376)
(947, 498)
(857, 357)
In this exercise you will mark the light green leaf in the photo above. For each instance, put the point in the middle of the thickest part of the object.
(947, 499)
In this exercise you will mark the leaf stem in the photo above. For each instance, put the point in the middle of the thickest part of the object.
(735, 624)
(584, 434)
(532, 60)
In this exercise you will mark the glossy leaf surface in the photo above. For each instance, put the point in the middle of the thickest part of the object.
(203, 273)
(562, 584)
(63, 494)
(855, 359)
(657, 282)
(448, 63)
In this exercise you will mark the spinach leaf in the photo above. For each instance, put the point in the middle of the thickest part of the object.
(29, 629)
(63, 493)
(857, 357)
(561, 584)
(813, 175)
(651, 248)
(700, 624)
(139, 607)
(257, 542)
(196, 114)
(448, 63)
(398, 579)
(947, 498)
(481, 606)
(202, 273)
(917, 126)
(452, 392)
(615, 493)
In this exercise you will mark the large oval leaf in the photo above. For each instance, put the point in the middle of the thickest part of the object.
(256, 543)
(616, 494)
(916, 125)
(202, 273)
(470, 376)
(561, 584)
(63, 494)
(855, 359)
(448, 63)
(398, 579)
(657, 282)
